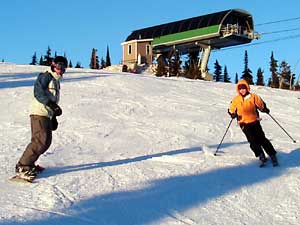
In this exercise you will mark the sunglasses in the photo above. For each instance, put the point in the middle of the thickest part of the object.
(61, 66)
(242, 86)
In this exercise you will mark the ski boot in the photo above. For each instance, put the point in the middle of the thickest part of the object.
(262, 159)
(274, 160)
(26, 173)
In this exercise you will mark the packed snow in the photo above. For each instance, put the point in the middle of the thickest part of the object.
(137, 149)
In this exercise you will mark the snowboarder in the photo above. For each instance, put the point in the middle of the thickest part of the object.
(244, 107)
(44, 110)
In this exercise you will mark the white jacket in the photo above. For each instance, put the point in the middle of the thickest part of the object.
(46, 89)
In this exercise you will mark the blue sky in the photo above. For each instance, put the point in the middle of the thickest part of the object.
(75, 27)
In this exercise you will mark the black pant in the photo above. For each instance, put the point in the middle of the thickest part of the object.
(256, 137)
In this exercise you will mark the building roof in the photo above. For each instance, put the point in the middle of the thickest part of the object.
(206, 28)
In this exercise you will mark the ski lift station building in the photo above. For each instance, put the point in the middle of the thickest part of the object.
(203, 33)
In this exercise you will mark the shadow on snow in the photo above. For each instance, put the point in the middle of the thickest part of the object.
(161, 198)
(88, 166)
(26, 80)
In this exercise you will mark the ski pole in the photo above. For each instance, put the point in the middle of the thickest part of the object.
(223, 136)
(282, 128)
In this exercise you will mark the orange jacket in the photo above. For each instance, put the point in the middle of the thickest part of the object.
(246, 107)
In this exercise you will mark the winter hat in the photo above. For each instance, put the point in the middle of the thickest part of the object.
(61, 60)
(242, 83)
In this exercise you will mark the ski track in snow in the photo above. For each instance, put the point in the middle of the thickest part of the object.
(136, 149)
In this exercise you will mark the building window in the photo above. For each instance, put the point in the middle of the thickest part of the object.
(147, 49)
(129, 49)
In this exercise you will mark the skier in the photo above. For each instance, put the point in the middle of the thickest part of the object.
(44, 110)
(244, 107)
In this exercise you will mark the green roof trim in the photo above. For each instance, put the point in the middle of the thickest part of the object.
(170, 38)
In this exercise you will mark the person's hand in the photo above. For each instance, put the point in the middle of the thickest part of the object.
(266, 110)
(232, 115)
(55, 108)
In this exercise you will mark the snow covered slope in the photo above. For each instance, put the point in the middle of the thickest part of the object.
(135, 149)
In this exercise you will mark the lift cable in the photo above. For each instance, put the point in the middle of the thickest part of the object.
(278, 21)
(280, 31)
(259, 43)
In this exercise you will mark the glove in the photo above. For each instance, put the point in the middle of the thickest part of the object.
(232, 115)
(55, 108)
(266, 110)
(54, 123)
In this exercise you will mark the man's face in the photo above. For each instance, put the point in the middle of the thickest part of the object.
(60, 68)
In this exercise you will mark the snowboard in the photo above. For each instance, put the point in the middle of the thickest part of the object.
(19, 179)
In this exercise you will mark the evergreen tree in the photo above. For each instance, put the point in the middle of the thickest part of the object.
(246, 74)
(174, 64)
(217, 72)
(34, 61)
(296, 83)
(41, 61)
(178, 64)
(274, 74)
(196, 72)
(48, 58)
(236, 78)
(285, 75)
(226, 76)
(161, 69)
(70, 64)
(260, 77)
(102, 63)
(78, 65)
(191, 68)
(292, 81)
(94, 64)
(108, 62)
(269, 82)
